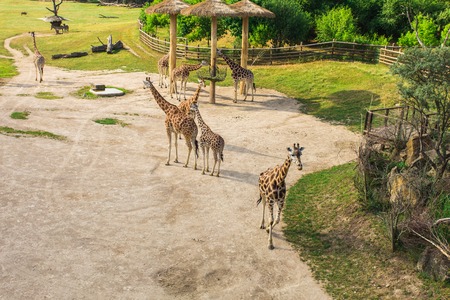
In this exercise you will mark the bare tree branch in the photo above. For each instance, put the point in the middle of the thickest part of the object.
(415, 29)
(446, 38)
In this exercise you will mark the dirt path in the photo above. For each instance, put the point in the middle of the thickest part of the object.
(100, 216)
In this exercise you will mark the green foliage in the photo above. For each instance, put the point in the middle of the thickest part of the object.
(47, 96)
(337, 24)
(20, 115)
(428, 32)
(151, 22)
(290, 26)
(32, 133)
(110, 121)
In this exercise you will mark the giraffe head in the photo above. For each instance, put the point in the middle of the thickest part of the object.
(204, 63)
(147, 83)
(295, 155)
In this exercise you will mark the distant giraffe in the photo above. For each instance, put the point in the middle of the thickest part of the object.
(163, 69)
(182, 73)
(176, 123)
(239, 73)
(209, 140)
(38, 60)
(272, 188)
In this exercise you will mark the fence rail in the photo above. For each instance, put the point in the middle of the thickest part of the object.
(300, 53)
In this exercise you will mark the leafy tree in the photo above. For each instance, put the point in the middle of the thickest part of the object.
(337, 24)
(425, 86)
(427, 31)
(151, 22)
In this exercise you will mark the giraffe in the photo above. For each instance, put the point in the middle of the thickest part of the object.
(239, 73)
(209, 140)
(185, 105)
(163, 69)
(178, 123)
(272, 188)
(182, 73)
(39, 60)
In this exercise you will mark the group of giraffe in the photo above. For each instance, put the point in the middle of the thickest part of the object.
(272, 185)
(180, 121)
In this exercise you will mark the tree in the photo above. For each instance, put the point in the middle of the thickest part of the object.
(55, 7)
(291, 24)
(337, 24)
(425, 86)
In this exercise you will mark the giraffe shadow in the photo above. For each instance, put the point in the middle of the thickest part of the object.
(239, 149)
(246, 177)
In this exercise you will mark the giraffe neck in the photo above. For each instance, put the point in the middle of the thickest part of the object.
(282, 172)
(36, 51)
(201, 123)
(230, 63)
(165, 105)
(197, 94)
(193, 67)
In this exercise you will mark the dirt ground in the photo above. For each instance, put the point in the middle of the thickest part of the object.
(100, 216)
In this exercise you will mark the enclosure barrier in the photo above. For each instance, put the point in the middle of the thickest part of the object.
(292, 54)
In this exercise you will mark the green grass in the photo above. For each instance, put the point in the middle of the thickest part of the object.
(347, 248)
(111, 121)
(20, 115)
(47, 96)
(30, 133)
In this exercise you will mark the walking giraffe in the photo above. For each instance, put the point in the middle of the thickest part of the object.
(272, 188)
(238, 74)
(177, 123)
(38, 60)
(182, 73)
(209, 140)
(163, 69)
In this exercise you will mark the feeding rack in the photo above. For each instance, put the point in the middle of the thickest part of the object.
(208, 74)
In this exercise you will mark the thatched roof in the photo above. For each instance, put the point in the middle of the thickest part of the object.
(210, 8)
(54, 19)
(171, 7)
(246, 8)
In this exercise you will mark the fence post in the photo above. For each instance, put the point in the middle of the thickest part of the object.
(198, 52)
(332, 49)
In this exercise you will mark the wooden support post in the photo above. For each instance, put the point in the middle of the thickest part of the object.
(173, 48)
(244, 50)
(212, 87)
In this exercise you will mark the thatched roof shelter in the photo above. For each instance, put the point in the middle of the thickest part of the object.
(172, 8)
(247, 9)
(213, 9)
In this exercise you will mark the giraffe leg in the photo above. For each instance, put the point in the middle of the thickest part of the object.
(189, 145)
(270, 227)
(41, 72)
(263, 198)
(280, 208)
(36, 69)
(245, 89)
(207, 158)
(204, 160)
(185, 82)
(169, 136)
(218, 163)
(236, 82)
(176, 146)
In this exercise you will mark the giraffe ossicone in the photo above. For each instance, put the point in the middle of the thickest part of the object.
(272, 188)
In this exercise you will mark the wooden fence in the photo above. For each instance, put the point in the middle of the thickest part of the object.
(300, 53)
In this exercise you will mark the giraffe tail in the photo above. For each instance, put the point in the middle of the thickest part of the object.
(254, 86)
(221, 156)
(259, 200)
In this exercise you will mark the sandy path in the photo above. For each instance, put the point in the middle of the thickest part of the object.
(101, 216)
